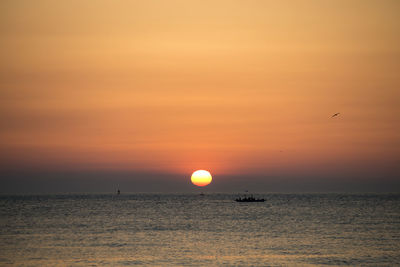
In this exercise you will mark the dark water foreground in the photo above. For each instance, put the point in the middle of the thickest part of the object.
(210, 230)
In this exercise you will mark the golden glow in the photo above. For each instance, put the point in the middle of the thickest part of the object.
(167, 86)
(201, 178)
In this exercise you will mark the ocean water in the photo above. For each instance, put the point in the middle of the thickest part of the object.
(194, 230)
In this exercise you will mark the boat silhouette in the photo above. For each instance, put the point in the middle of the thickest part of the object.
(249, 199)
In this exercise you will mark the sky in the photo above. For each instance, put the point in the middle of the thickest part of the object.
(96, 95)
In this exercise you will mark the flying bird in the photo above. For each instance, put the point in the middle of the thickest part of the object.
(336, 114)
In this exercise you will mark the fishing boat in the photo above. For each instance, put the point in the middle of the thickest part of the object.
(249, 199)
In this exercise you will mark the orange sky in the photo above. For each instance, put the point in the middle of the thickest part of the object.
(173, 86)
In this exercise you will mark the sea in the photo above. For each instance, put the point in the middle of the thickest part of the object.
(150, 229)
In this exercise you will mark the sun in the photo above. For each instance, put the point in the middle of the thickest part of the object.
(201, 178)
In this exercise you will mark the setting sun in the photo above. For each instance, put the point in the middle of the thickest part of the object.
(201, 178)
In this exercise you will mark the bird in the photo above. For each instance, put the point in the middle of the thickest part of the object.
(336, 114)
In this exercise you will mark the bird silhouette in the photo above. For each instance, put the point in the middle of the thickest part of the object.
(336, 114)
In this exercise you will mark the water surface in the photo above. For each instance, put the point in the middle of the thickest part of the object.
(210, 230)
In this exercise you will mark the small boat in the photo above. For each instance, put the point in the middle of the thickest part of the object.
(249, 199)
